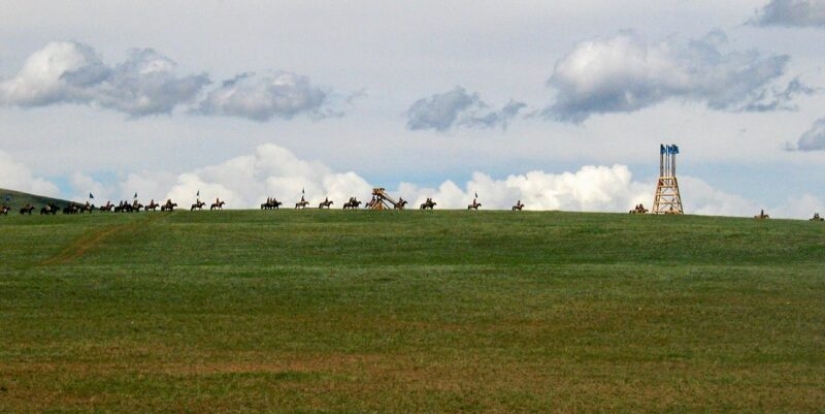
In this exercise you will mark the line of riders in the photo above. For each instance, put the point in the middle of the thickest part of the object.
(52, 208)
(271, 203)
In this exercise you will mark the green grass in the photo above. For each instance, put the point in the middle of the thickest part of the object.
(407, 312)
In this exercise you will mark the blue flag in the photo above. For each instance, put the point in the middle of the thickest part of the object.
(135, 195)
(675, 149)
(662, 149)
(91, 196)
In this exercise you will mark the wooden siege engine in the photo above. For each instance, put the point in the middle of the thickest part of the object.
(382, 201)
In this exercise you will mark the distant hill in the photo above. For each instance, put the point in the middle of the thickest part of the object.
(18, 199)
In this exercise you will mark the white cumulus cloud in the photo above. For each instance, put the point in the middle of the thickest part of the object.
(627, 72)
(146, 83)
(262, 97)
(17, 176)
(272, 171)
(71, 72)
(592, 188)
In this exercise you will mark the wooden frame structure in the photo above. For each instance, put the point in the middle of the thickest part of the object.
(668, 200)
(382, 201)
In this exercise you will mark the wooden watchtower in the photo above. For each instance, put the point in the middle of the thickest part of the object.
(667, 199)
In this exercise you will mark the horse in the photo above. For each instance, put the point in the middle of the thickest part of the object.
(82, 208)
(151, 206)
(400, 204)
(474, 206)
(429, 204)
(4, 210)
(762, 215)
(639, 209)
(49, 208)
(519, 205)
(71, 209)
(325, 204)
(217, 205)
(198, 205)
(301, 204)
(107, 208)
(123, 207)
(352, 203)
(271, 203)
(169, 206)
(817, 218)
(27, 209)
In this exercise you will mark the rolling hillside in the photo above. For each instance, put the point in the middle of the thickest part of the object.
(17, 199)
(442, 311)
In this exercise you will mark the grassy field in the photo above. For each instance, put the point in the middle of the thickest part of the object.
(410, 312)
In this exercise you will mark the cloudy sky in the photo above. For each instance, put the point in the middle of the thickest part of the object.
(560, 104)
